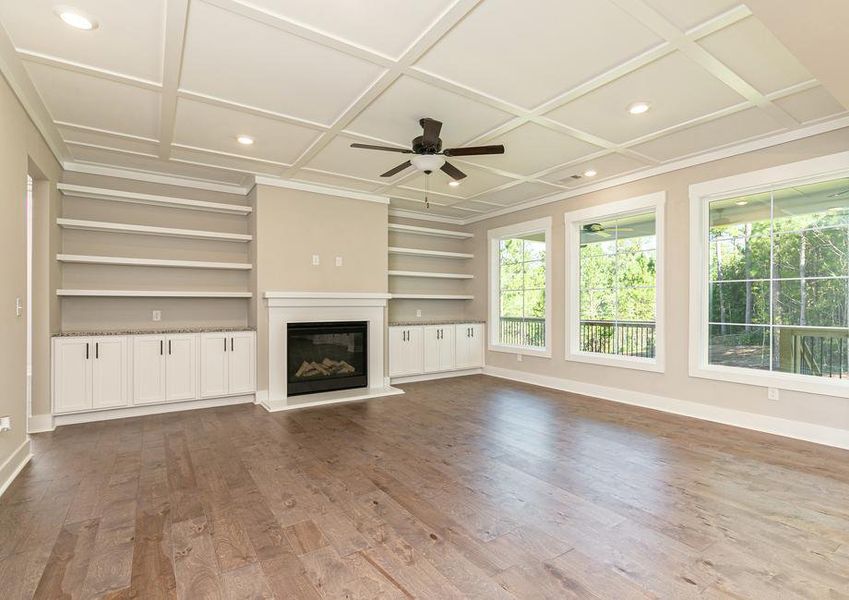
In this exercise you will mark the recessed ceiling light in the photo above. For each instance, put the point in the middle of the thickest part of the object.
(590, 173)
(741, 202)
(638, 108)
(245, 140)
(75, 18)
(454, 183)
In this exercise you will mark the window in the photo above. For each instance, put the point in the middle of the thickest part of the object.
(520, 290)
(774, 267)
(614, 284)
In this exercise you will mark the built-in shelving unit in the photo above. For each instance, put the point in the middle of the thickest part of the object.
(151, 262)
(433, 296)
(429, 275)
(429, 253)
(83, 191)
(195, 234)
(415, 229)
(151, 294)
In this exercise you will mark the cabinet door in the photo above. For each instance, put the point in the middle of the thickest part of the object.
(148, 369)
(240, 359)
(446, 348)
(431, 345)
(214, 364)
(468, 346)
(181, 367)
(414, 350)
(475, 348)
(109, 372)
(71, 374)
(406, 352)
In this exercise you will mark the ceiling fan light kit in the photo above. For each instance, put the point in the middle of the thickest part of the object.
(428, 154)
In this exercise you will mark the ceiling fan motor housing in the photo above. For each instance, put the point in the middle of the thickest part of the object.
(420, 148)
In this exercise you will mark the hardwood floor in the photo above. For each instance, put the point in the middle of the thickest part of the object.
(463, 488)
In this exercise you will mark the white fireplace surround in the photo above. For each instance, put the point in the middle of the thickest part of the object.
(316, 307)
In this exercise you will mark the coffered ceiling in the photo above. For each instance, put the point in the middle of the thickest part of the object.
(168, 85)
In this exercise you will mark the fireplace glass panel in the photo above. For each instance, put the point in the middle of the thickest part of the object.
(324, 357)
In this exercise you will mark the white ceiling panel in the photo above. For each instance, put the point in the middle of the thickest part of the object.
(362, 23)
(532, 148)
(678, 89)
(754, 53)
(155, 165)
(811, 105)
(686, 14)
(519, 193)
(94, 102)
(128, 39)
(203, 125)
(477, 180)
(339, 157)
(395, 115)
(727, 130)
(529, 52)
(231, 57)
(336, 181)
(609, 165)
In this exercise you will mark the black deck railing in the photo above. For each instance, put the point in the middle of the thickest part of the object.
(518, 331)
(625, 338)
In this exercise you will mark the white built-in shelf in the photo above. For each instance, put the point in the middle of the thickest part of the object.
(84, 191)
(149, 230)
(447, 233)
(151, 262)
(428, 275)
(428, 253)
(432, 297)
(150, 294)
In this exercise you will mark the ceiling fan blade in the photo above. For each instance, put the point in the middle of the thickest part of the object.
(398, 169)
(474, 150)
(384, 148)
(431, 127)
(452, 171)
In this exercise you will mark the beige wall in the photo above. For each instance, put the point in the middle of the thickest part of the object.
(290, 226)
(675, 382)
(22, 150)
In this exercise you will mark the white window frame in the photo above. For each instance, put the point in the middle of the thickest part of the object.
(803, 172)
(574, 220)
(494, 237)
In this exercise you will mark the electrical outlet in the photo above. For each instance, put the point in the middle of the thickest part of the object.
(338, 261)
(772, 393)
(5, 424)
(418, 312)
(156, 315)
(316, 260)
(19, 308)
(518, 358)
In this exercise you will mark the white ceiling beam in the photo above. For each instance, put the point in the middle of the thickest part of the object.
(176, 21)
(253, 110)
(75, 67)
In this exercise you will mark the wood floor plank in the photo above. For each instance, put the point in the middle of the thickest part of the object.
(469, 487)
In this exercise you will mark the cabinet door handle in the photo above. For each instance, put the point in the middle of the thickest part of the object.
(472, 329)
(225, 344)
(86, 350)
(169, 346)
(161, 347)
(97, 350)
(231, 344)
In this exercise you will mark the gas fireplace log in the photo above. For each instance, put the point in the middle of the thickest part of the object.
(325, 367)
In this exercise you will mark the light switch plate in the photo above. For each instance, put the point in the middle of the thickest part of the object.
(316, 260)
(5, 424)
(338, 261)
(419, 312)
(156, 315)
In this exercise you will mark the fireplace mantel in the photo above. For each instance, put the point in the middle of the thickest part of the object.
(290, 307)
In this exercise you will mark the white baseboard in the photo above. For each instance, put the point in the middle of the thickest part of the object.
(152, 409)
(325, 398)
(14, 465)
(40, 423)
(809, 432)
(430, 376)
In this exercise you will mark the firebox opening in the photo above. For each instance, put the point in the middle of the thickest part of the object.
(323, 357)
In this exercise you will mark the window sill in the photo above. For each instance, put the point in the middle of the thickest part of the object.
(624, 362)
(523, 350)
(784, 381)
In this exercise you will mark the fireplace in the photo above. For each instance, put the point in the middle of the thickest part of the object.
(326, 356)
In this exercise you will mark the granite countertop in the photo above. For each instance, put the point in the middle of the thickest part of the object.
(437, 322)
(95, 333)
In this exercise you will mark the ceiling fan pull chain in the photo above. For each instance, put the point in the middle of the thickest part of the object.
(427, 189)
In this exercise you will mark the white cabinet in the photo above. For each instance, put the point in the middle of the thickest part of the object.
(406, 351)
(181, 367)
(89, 373)
(149, 369)
(468, 345)
(227, 363)
(438, 348)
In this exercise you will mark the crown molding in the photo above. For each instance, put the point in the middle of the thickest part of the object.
(319, 189)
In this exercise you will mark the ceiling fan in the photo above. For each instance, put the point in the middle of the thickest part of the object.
(428, 152)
